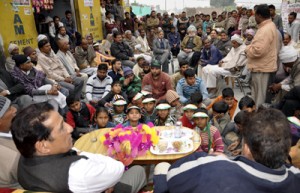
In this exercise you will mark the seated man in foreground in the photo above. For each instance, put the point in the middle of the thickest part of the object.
(262, 168)
(48, 164)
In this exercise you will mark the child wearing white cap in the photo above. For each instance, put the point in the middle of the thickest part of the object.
(118, 113)
(163, 114)
(187, 118)
(149, 110)
(133, 116)
(211, 140)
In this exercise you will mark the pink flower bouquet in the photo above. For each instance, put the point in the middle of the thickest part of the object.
(126, 143)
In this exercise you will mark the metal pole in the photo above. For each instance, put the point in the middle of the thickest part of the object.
(165, 5)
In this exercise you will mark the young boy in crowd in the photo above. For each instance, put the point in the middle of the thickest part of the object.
(233, 135)
(177, 108)
(118, 113)
(80, 116)
(196, 99)
(137, 100)
(247, 104)
(130, 83)
(148, 110)
(228, 97)
(221, 117)
(187, 118)
(211, 140)
(133, 116)
(115, 90)
(163, 114)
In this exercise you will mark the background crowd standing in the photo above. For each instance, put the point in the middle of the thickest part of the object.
(126, 79)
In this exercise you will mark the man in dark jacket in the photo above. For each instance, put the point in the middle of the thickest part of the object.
(122, 51)
(13, 90)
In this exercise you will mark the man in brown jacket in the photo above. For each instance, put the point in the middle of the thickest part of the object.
(153, 21)
(190, 44)
(262, 54)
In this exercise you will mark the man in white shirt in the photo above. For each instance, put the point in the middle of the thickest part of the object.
(10, 155)
(293, 27)
(48, 163)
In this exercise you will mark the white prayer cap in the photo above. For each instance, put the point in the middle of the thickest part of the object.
(41, 37)
(48, 19)
(11, 47)
(237, 38)
(288, 54)
(191, 28)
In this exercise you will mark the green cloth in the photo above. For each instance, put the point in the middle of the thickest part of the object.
(134, 86)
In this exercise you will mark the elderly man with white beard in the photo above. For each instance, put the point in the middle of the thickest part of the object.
(189, 45)
(235, 58)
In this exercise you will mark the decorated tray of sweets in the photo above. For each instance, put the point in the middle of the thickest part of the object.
(169, 134)
(172, 146)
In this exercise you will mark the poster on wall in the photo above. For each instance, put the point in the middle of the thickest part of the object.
(90, 19)
(286, 9)
(21, 2)
(19, 24)
(88, 3)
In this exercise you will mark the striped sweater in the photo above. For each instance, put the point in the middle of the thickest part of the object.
(96, 89)
(185, 91)
(215, 137)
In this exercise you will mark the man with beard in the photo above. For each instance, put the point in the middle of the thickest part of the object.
(158, 81)
(224, 44)
(98, 85)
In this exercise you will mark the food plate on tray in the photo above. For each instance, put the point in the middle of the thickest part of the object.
(169, 134)
(172, 146)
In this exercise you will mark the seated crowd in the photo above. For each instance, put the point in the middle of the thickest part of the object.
(71, 85)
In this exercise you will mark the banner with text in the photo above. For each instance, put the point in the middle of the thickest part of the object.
(17, 23)
(90, 18)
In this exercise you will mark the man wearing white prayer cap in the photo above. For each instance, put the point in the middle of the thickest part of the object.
(13, 49)
(236, 58)
(289, 57)
(189, 45)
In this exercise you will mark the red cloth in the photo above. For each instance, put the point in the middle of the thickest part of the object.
(186, 122)
(159, 86)
(70, 118)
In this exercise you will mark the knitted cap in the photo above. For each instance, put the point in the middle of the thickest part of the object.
(4, 105)
(127, 71)
(28, 51)
(171, 96)
(21, 59)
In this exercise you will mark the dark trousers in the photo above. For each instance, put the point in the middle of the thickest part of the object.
(291, 102)
(175, 51)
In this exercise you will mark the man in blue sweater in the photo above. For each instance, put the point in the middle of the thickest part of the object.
(190, 85)
(261, 169)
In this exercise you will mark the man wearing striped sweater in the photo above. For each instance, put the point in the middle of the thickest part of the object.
(98, 85)
(262, 167)
(190, 85)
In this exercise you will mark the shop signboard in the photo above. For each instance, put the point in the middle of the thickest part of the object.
(90, 18)
(17, 23)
